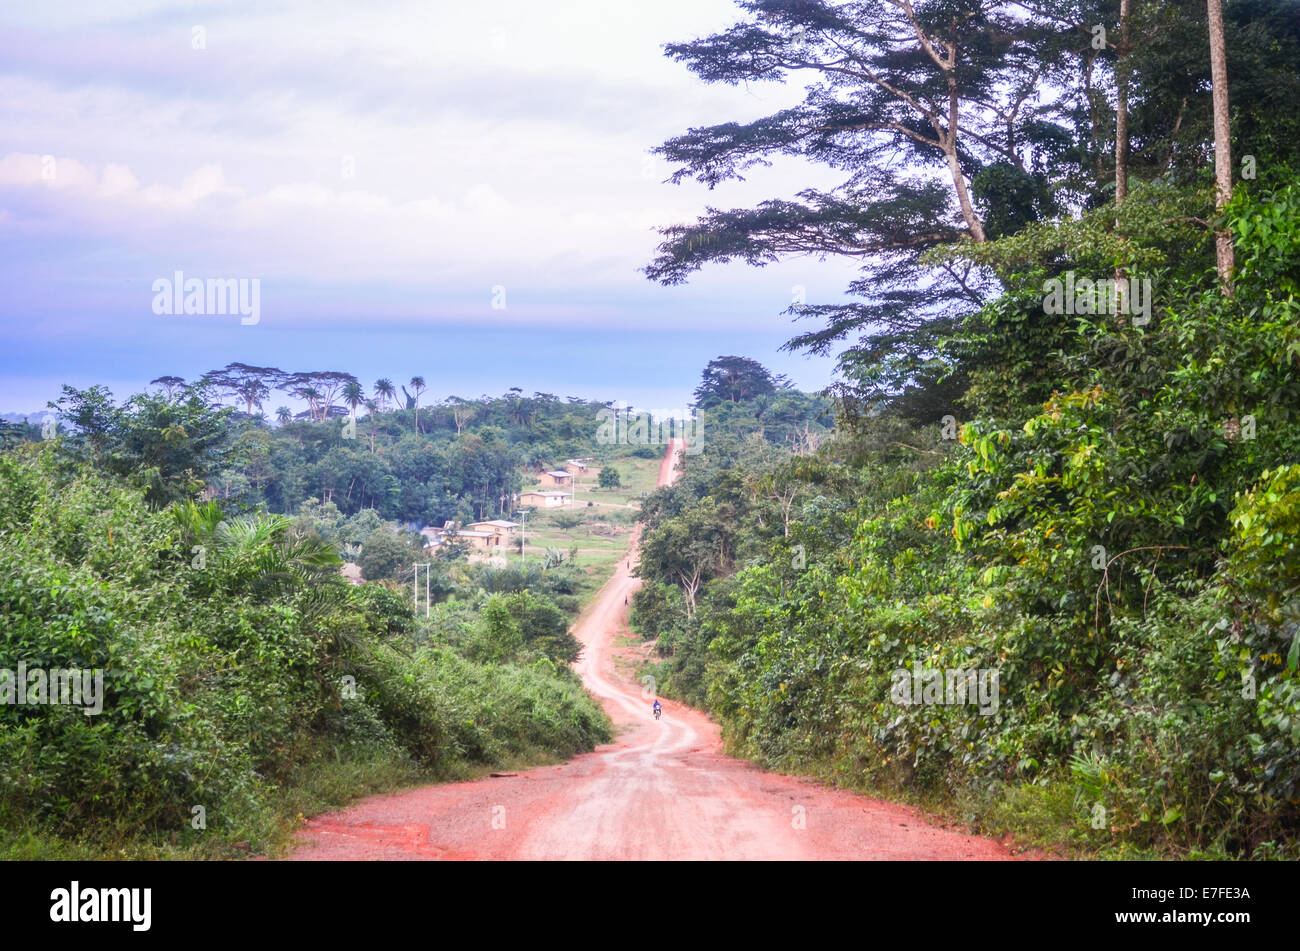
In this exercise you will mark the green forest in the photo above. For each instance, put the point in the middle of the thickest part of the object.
(1060, 454)
(1066, 447)
(191, 549)
(170, 540)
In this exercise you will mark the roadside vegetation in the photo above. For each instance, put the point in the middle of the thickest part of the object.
(1099, 503)
(245, 682)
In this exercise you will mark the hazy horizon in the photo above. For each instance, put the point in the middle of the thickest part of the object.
(413, 189)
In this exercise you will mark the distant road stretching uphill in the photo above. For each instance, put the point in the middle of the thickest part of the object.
(663, 790)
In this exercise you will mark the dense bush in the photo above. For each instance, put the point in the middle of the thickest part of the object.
(1121, 553)
(236, 660)
(386, 556)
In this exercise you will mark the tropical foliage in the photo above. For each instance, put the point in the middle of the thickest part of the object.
(1094, 502)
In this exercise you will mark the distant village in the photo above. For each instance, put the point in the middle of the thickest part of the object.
(498, 534)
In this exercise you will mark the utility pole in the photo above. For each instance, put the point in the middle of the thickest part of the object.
(415, 587)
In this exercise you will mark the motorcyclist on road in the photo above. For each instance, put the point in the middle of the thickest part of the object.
(657, 708)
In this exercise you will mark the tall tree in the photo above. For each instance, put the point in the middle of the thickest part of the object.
(304, 389)
(1123, 76)
(372, 411)
(92, 414)
(417, 384)
(249, 384)
(728, 379)
(169, 446)
(1222, 139)
(331, 383)
(462, 411)
(353, 396)
(319, 388)
(916, 103)
(385, 392)
(170, 384)
(689, 549)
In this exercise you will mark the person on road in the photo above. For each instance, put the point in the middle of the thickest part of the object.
(657, 707)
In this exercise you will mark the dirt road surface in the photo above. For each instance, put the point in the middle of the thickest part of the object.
(662, 790)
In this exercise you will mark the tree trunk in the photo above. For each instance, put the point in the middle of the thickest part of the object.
(690, 586)
(1122, 75)
(963, 197)
(1121, 104)
(1222, 142)
(1093, 120)
(950, 150)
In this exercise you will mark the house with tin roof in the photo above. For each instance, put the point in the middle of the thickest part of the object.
(556, 479)
(543, 500)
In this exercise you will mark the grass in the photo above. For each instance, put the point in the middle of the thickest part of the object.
(638, 476)
(601, 536)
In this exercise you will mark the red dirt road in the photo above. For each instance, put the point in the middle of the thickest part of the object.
(662, 790)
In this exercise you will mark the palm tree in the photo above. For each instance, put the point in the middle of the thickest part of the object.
(197, 520)
(385, 392)
(313, 397)
(305, 391)
(353, 396)
(417, 384)
(372, 409)
(283, 414)
(262, 552)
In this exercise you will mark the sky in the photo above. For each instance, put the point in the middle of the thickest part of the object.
(459, 191)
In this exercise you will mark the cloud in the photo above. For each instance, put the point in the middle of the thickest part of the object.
(338, 232)
(384, 164)
(203, 183)
(46, 171)
(116, 180)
